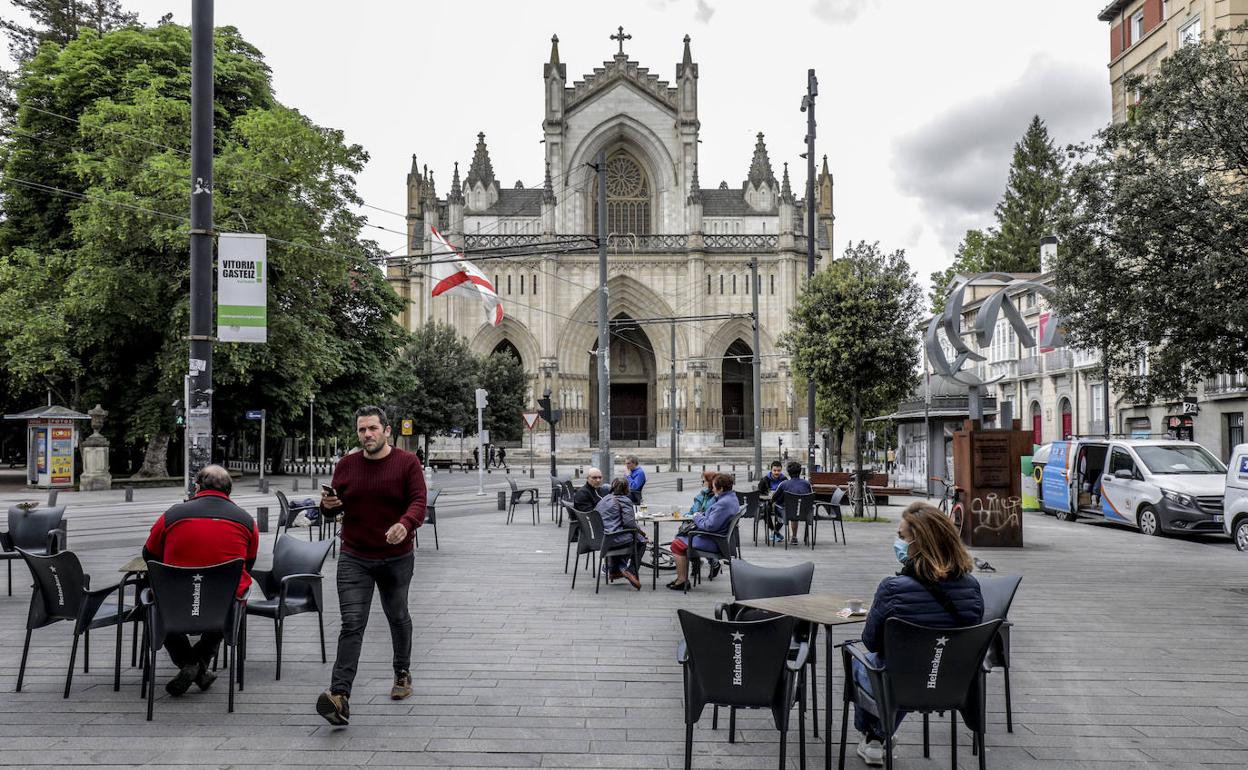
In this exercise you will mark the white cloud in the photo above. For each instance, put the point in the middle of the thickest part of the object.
(703, 11)
(840, 11)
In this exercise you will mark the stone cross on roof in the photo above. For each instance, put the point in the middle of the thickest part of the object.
(620, 36)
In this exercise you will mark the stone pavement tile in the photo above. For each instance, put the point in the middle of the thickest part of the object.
(511, 746)
(1238, 758)
(342, 758)
(587, 761)
(456, 759)
(1089, 752)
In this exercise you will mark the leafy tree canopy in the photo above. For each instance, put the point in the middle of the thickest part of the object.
(59, 21)
(503, 376)
(1154, 228)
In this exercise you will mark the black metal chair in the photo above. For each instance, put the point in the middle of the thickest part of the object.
(998, 595)
(829, 511)
(193, 601)
(37, 531)
(292, 587)
(753, 509)
(518, 495)
(727, 544)
(799, 508)
(750, 581)
(431, 516)
(742, 665)
(63, 592)
(928, 670)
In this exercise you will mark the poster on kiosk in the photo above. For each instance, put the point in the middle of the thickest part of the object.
(51, 439)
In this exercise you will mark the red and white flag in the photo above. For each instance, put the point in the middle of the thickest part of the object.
(452, 274)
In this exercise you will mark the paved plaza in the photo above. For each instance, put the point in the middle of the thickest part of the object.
(1128, 652)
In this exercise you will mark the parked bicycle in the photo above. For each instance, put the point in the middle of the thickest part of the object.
(950, 504)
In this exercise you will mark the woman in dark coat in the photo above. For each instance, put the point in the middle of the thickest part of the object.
(617, 514)
(933, 588)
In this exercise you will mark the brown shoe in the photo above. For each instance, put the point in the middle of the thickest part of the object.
(632, 579)
(402, 686)
(334, 707)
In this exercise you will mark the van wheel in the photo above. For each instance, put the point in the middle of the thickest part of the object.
(1241, 534)
(1064, 515)
(1148, 521)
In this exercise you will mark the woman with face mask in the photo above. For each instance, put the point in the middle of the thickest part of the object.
(705, 498)
(934, 587)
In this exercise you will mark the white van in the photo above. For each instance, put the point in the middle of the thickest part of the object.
(1236, 505)
(1157, 485)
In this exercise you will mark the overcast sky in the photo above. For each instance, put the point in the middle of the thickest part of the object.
(919, 102)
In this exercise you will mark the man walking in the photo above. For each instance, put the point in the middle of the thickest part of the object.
(380, 494)
(205, 530)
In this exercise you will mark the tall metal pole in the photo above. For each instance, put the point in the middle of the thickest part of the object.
(1105, 385)
(264, 415)
(199, 406)
(604, 341)
(808, 105)
(671, 399)
(757, 381)
(311, 441)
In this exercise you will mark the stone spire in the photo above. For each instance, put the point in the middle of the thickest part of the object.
(786, 191)
(695, 189)
(415, 168)
(823, 190)
(760, 166)
(456, 195)
(481, 170)
(686, 61)
(431, 195)
(548, 187)
(554, 66)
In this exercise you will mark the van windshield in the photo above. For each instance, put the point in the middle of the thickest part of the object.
(1179, 459)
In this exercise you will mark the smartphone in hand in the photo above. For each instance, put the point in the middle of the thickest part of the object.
(328, 491)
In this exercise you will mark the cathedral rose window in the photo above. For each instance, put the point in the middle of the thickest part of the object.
(628, 196)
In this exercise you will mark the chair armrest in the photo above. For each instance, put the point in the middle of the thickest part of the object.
(682, 652)
(56, 539)
(6, 542)
(720, 608)
(796, 662)
(309, 577)
(147, 598)
(853, 649)
(261, 577)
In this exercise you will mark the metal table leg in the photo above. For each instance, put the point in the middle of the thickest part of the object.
(830, 663)
(654, 559)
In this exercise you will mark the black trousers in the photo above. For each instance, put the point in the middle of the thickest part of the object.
(183, 653)
(357, 579)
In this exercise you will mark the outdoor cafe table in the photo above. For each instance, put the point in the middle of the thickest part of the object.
(821, 609)
(138, 566)
(656, 519)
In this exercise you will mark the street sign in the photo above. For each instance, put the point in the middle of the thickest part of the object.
(406, 428)
(530, 419)
(457, 431)
(255, 414)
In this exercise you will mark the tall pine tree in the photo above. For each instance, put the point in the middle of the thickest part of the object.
(1026, 211)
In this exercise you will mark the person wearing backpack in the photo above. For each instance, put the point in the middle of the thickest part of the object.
(934, 588)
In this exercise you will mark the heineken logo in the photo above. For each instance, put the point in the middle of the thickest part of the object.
(934, 673)
(197, 582)
(737, 638)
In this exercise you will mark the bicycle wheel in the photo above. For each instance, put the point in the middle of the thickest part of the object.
(957, 516)
(666, 560)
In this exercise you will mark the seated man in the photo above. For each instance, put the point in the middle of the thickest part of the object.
(716, 520)
(796, 485)
(636, 478)
(586, 497)
(767, 486)
(205, 530)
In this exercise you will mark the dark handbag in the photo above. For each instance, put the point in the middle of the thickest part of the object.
(686, 528)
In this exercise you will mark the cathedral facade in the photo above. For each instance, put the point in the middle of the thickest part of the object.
(676, 250)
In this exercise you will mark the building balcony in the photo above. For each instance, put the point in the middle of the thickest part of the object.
(1058, 361)
(1030, 366)
(654, 243)
(1085, 358)
(999, 370)
(1226, 383)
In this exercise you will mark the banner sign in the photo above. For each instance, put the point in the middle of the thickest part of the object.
(406, 427)
(242, 288)
(61, 456)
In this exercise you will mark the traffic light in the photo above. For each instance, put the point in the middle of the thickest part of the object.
(545, 411)
(179, 413)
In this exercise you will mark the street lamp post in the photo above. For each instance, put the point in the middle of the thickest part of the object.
(311, 441)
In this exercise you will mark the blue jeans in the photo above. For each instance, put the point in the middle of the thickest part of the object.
(864, 722)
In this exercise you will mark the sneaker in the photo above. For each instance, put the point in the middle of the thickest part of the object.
(182, 682)
(334, 706)
(871, 751)
(205, 679)
(632, 579)
(402, 686)
(793, 541)
(777, 538)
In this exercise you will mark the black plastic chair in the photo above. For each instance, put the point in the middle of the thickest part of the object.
(518, 495)
(574, 529)
(567, 493)
(750, 581)
(556, 494)
(753, 509)
(63, 592)
(830, 511)
(292, 587)
(193, 601)
(585, 543)
(727, 543)
(929, 670)
(37, 531)
(594, 539)
(998, 595)
(431, 517)
(799, 508)
(742, 665)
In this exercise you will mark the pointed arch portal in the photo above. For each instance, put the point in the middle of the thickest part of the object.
(737, 392)
(633, 378)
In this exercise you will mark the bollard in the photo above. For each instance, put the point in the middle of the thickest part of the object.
(129, 494)
(295, 488)
(531, 473)
(264, 486)
(690, 469)
(680, 484)
(52, 497)
(734, 467)
(717, 469)
(657, 469)
(316, 482)
(576, 472)
(262, 518)
(704, 467)
(502, 500)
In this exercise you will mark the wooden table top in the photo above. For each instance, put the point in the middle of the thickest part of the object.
(816, 608)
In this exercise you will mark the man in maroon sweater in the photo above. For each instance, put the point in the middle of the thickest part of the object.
(380, 494)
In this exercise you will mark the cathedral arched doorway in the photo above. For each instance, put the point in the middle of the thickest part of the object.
(506, 347)
(737, 393)
(629, 196)
(633, 391)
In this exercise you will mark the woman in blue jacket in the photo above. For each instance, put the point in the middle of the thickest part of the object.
(716, 520)
(705, 498)
(933, 588)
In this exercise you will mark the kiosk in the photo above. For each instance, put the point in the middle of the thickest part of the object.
(51, 435)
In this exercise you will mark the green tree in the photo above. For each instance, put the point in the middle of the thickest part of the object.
(435, 382)
(1026, 212)
(973, 256)
(503, 376)
(1154, 230)
(59, 21)
(853, 333)
(95, 190)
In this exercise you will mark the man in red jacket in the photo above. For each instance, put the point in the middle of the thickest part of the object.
(380, 494)
(205, 530)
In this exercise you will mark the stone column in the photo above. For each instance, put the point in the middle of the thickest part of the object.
(95, 475)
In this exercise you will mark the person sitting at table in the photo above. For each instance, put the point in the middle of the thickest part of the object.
(934, 587)
(717, 520)
(586, 496)
(205, 530)
(766, 488)
(618, 518)
(796, 485)
(705, 498)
